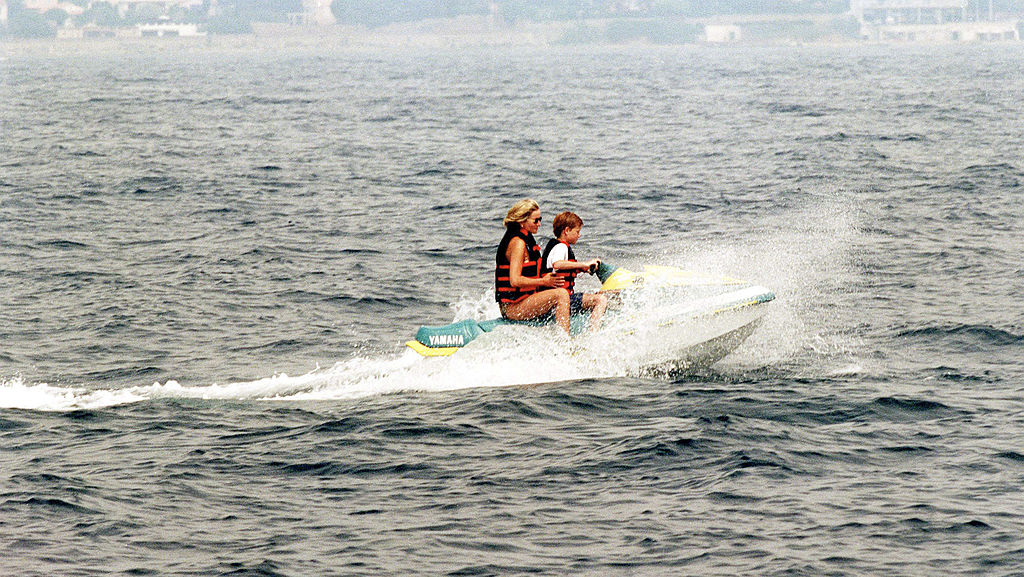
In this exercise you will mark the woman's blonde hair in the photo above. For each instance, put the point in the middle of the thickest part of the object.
(521, 210)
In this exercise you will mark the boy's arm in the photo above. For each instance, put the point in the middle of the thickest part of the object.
(560, 255)
(571, 265)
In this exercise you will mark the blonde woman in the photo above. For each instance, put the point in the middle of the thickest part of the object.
(522, 292)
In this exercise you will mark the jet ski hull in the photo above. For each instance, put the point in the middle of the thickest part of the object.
(668, 327)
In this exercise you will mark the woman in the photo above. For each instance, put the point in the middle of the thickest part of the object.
(522, 292)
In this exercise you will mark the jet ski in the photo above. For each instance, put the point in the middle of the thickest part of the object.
(677, 318)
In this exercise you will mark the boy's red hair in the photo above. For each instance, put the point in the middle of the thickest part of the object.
(565, 220)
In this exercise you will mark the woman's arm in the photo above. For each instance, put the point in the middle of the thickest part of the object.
(516, 256)
(516, 252)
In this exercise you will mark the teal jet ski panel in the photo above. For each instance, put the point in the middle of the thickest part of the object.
(453, 335)
(461, 333)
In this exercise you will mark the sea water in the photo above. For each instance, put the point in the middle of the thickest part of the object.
(210, 258)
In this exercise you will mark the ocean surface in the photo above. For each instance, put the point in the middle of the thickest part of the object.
(210, 259)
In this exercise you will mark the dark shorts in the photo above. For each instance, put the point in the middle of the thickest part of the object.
(575, 303)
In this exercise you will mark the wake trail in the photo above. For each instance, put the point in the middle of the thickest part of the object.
(798, 256)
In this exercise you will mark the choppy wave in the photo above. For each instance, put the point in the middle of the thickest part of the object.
(181, 253)
(969, 335)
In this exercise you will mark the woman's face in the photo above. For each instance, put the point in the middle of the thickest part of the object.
(532, 223)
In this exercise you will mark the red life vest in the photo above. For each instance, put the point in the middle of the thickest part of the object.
(504, 292)
(569, 276)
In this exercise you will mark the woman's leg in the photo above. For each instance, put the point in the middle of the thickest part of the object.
(540, 303)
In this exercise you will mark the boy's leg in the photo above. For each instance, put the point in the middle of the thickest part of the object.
(596, 303)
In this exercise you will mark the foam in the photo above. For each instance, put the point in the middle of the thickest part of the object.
(15, 394)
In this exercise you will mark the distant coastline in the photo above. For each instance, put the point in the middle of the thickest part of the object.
(472, 31)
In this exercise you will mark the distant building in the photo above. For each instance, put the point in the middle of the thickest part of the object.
(168, 29)
(932, 21)
(123, 6)
(314, 13)
(882, 12)
(628, 6)
(722, 33)
(44, 6)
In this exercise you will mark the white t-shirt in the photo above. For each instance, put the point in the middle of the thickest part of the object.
(558, 252)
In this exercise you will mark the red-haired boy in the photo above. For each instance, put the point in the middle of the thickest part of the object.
(558, 257)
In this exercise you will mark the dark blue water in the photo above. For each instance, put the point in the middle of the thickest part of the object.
(209, 259)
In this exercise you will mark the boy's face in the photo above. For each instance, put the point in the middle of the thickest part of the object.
(572, 235)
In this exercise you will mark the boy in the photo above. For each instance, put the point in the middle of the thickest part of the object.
(559, 258)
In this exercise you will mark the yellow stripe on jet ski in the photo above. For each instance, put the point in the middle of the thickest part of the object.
(663, 276)
(431, 351)
(620, 279)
